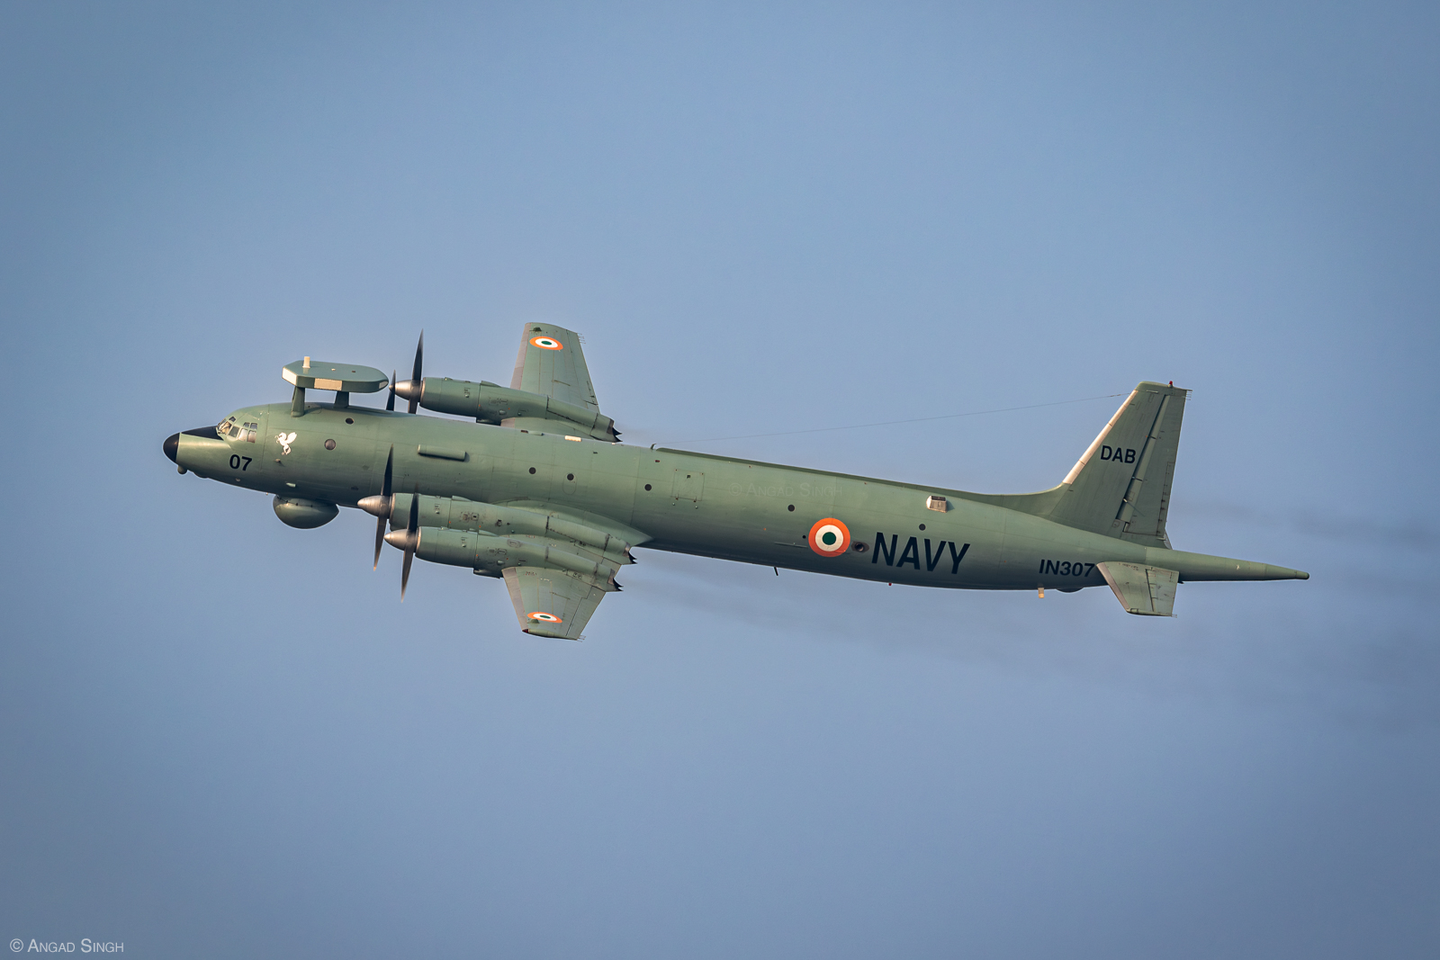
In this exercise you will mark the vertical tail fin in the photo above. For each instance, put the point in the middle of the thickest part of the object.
(1121, 486)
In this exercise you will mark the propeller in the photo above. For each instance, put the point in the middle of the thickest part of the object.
(390, 403)
(412, 540)
(408, 539)
(412, 388)
(416, 379)
(389, 505)
(383, 505)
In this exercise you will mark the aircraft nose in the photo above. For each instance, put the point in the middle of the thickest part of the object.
(171, 447)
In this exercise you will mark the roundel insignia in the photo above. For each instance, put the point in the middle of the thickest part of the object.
(829, 537)
(544, 617)
(546, 343)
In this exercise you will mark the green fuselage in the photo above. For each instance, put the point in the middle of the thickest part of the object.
(678, 501)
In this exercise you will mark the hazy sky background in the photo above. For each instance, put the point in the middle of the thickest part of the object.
(223, 737)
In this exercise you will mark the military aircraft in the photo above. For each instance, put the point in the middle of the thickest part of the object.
(535, 488)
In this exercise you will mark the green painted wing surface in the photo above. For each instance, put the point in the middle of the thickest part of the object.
(552, 364)
(550, 602)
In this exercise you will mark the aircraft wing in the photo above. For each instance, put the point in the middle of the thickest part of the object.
(550, 602)
(552, 364)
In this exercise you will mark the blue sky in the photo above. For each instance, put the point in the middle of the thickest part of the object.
(225, 737)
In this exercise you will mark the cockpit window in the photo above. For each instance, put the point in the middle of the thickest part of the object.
(243, 430)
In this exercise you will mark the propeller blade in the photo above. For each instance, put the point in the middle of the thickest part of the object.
(385, 494)
(412, 540)
(390, 404)
(415, 376)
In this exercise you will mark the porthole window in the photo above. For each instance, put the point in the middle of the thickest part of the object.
(647, 486)
(791, 508)
(922, 526)
(569, 476)
(349, 420)
(861, 547)
(329, 444)
(532, 469)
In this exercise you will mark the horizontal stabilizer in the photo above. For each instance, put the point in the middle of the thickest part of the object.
(1147, 591)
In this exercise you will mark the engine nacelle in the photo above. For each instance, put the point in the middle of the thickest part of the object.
(304, 514)
(481, 551)
(491, 403)
(457, 513)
